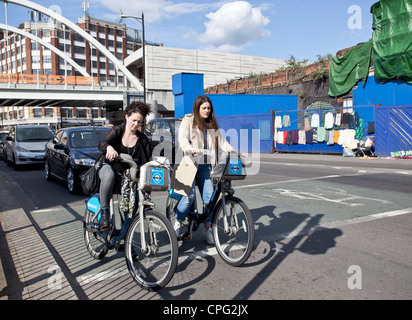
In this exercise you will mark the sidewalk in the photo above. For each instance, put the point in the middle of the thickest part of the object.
(23, 253)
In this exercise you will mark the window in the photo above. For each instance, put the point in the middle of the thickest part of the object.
(46, 32)
(57, 136)
(81, 113)
(67, 112)
(35, 59)
(80, 62)
(95, 113)
(64, 137)
(48, 112)
(61, 47)
(37, 113)
(47, 59)
(78, 49)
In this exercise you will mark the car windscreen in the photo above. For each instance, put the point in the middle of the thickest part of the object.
(33, 134)
(86, 139)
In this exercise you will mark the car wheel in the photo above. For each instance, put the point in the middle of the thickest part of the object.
(71, 180)
(15, 165)
(8, 161)
(47, 172)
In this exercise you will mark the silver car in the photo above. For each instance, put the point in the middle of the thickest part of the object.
(26, 144)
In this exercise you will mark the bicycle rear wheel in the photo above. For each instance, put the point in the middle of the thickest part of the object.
(95, 242)
(154, 269)
(234, 244)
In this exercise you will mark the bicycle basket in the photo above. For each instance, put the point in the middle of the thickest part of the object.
(154, 176)
(232, 169)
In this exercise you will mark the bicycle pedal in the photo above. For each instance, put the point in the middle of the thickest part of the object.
(93, 227)
(185, 236)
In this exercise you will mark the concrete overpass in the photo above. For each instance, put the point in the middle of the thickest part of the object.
(59, 96)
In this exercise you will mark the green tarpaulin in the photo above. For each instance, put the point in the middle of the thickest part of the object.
(390, 50)
(345, 72)
(392, 40)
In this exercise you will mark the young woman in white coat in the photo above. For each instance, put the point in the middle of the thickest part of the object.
(199, 131)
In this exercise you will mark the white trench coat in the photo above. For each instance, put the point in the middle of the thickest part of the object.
(191, 139)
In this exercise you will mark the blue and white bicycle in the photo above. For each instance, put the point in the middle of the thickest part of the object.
(232, 223)
(150, 243)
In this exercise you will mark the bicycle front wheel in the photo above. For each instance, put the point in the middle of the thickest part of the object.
(234, 239)
(154, 266)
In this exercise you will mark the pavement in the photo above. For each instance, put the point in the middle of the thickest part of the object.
(20, 273)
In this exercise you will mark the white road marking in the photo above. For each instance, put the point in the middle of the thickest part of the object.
(338, 224)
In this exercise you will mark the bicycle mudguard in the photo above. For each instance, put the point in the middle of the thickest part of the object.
(93, 204)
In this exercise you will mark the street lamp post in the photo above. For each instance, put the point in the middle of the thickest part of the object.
(141, 20)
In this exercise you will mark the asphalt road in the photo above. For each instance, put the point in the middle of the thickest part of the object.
(327, 227)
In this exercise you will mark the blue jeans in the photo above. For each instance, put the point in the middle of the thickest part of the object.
(205, 185)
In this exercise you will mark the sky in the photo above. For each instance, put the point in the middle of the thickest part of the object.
(273, 29)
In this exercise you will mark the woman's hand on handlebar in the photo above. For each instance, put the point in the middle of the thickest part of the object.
(200, 152)
(111, 154)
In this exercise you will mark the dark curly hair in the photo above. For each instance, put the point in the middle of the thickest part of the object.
(138, 106)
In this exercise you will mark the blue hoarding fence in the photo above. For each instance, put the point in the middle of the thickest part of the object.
(390, 127)
(248, 132)
(393, 129)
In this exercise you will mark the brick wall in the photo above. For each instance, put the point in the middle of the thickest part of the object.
(271, 80)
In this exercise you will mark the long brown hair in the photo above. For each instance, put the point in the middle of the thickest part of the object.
(198, 121)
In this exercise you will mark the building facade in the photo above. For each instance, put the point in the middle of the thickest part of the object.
(162, 63)
(22, 56)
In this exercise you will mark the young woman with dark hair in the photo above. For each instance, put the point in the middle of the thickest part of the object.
(200, 131)
(125, 138)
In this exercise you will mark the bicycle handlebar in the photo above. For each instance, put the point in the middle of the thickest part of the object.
(199, 152)
(126, 158)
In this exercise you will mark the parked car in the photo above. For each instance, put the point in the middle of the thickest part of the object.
(71, 152)
(163, 130)
(3, 135)
(25, 144)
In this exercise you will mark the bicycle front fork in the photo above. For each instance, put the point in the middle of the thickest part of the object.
(231, 228)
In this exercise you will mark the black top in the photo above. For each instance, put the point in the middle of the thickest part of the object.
(140, 152)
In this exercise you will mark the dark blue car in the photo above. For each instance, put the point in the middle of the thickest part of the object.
(71, 152)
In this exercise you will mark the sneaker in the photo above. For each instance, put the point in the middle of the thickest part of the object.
(178, 228)
(207, 232)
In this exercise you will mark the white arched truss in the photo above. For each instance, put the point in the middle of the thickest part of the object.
(31, 5)
(47, 45)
